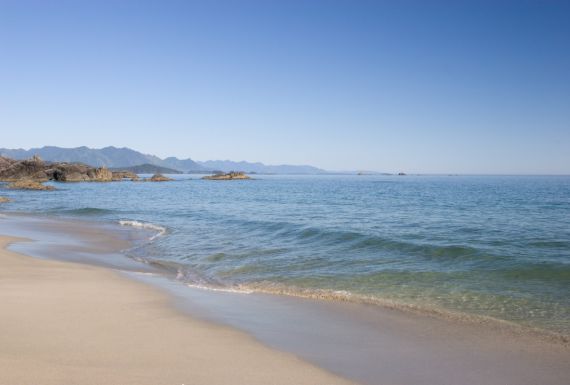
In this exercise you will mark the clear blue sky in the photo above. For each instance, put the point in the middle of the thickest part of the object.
(458, 86)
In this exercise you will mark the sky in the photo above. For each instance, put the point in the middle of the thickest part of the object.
(413, 86)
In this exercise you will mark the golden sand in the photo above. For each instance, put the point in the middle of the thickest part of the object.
(63, 323)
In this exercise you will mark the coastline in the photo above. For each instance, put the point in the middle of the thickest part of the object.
(370, 344)
(70, 323)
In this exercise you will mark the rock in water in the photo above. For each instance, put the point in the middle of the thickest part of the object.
(76, 172)
(4, 200)
(232, 175)
(29, 185)
(160, 178)
(120, 175)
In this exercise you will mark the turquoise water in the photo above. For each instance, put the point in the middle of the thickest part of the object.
(496, 246)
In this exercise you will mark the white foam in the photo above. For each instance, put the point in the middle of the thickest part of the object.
(220, 289)
(144, 273)
(144, 225)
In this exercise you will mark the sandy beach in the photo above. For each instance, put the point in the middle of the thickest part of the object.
(65, 323)
(75, 310)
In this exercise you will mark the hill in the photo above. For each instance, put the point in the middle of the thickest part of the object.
(259, 168)
(111, 157)
(121, 158)
(148, 168)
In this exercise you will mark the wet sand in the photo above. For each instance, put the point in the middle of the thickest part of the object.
(375, 345)
(65, 323)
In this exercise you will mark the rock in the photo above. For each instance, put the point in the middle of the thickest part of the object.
(5, 162)
(12, 170)
(159, 178)
(101, 174)
(4, 200)
(27, 184)
(37, 170)
(121, 175)
(77, 172)
(228, 176)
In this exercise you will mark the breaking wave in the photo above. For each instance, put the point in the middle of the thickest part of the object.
(146, 226)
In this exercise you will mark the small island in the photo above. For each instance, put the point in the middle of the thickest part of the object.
(158, 178)
(232, 175)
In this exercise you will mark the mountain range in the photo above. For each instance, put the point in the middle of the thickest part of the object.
(114, 157)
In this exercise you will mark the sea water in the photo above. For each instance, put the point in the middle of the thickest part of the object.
(492, 246)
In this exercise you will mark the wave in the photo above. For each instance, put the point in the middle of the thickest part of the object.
(196, 279)
(357, 241)
(423, 309)
(85, 211)
(238, 289)
(145, 225)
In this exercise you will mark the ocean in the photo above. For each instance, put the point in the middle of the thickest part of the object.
(482, 246)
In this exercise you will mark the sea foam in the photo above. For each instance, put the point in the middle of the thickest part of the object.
(147, 226)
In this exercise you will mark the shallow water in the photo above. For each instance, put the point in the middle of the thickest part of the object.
(370, 344)
(492, 246)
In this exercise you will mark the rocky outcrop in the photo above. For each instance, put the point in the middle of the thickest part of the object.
(122, 175)
(37, 170)
(77, 172)
(232, 175)
(13, 170)
(27, 184)
(159, 178)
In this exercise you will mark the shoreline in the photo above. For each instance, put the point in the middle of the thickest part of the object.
(149, 232)
(69, 323)
(366, 343)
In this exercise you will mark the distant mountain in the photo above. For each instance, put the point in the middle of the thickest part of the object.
(108, 156)
(111, 157)
(147, 169)
(259, 168)
(186, 165)
(114, 157)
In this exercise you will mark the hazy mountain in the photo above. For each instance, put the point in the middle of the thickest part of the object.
(148, 168)
(114, 157)
(260, 168)
(185, 165)
(108, 156)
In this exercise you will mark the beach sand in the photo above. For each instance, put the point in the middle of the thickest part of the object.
(66, 323)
